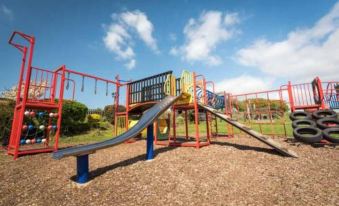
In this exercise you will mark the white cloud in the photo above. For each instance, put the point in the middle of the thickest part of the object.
(305, 53)
(231, 19)
(203, 35)
(6, 12)
(117, 40)
(119, 35)
(243, 84)
(142, 25)
(130, 64)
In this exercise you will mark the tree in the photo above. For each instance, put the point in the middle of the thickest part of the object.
(109, 112)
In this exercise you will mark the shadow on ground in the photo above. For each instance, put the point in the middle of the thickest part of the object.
(102, 170)
(246, 147)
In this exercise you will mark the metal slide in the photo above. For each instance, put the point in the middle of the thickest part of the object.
(270, 142)
(147, 118)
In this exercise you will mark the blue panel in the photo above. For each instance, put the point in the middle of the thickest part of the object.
(150, 138)
(82, 169)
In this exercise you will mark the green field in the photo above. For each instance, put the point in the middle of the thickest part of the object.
(96, 135)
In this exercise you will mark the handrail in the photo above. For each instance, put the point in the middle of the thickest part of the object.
(91, 76)
(30, 39)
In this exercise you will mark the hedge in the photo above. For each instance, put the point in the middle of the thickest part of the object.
(73, 118)
(6, 115)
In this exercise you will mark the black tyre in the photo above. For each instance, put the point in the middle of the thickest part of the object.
(325, 123)
(302, 122)
(324, 113)
(300, 115)
(329, 134)
(307, 134)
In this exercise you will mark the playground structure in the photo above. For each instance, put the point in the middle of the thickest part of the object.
(41, 93)
(38, 110)
(144, 93)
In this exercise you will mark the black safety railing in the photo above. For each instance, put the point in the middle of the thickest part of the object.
(148, 89)
(178, 86)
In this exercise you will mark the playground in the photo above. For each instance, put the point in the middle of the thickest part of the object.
(170, 139)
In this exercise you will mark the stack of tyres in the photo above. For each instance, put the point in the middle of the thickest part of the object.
(327, 121)
(304, 128)
(311, 128)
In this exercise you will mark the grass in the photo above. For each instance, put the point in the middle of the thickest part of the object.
(265, 128)
(96, 135)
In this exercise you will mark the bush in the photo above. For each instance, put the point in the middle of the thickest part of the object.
(73, 117)
(73, 111)
(103, 125)
(93, 120)
(109, 112)
(76, 128)
(6, 116)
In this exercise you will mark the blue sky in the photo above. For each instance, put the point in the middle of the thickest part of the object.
(241, 45)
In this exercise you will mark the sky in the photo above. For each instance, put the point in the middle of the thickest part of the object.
(243, 46)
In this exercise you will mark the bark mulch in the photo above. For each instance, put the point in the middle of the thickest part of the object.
(238, 171)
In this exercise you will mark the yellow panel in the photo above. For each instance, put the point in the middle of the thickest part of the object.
(132, 123)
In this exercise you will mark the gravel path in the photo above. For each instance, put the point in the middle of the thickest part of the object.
(238, 171)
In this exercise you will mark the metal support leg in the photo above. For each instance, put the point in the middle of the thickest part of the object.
(150, 138)
(82, 169)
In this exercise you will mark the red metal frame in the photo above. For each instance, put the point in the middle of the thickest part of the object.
(24, 101)
(264, 96)
(302, 96)
(48, 81)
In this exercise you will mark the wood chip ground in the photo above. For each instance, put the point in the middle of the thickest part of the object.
(237, 171)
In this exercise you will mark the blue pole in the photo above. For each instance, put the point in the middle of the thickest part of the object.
(82, 169)
(150, 138)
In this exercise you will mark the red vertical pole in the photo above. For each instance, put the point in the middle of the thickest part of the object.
(206, 113)
(15, 131)
(174, 126)
(207, 127)
(186, 125)
(116, 103)
(196, 111)
(24, 98)
(321, 93)
(127, 105)
(61, 97)
(290, 96)
(22, 71)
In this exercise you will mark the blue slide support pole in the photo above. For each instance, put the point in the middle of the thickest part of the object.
(150, 139)
(82, 169)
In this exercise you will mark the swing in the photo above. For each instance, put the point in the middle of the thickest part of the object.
(83, 84)
(67, 84)
(106, 89)
(95, 87)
